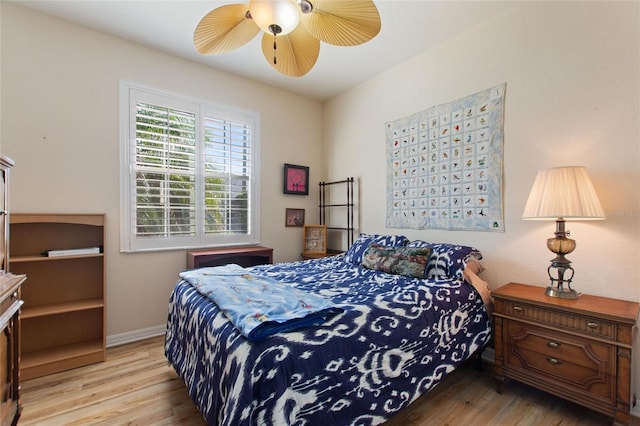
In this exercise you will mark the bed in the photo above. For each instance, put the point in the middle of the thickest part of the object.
(396, 333)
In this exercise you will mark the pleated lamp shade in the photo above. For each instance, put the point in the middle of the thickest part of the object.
(563, 193)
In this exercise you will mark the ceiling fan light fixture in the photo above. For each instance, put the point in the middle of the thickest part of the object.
(275, 16)
(293, 29)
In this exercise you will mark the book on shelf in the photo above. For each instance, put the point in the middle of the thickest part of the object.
(72, 252)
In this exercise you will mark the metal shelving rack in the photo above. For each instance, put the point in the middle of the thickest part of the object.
(325, 204)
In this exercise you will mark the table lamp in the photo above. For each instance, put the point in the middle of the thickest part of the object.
(562, 193)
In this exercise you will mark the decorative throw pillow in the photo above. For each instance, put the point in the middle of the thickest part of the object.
(355, 253)
(447, 260)
(407, 261)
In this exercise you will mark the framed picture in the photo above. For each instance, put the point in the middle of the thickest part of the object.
(315, 239)
(294, 217)
(296, 179)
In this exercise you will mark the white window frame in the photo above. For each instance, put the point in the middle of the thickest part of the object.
(130, 94)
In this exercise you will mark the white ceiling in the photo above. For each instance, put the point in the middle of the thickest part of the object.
(408, 27)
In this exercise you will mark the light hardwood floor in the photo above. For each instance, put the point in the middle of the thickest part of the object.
(135, 386)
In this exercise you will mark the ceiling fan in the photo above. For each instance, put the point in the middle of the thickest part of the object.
(292, 29)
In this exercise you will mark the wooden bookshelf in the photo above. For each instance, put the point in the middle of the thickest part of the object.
(63, 317)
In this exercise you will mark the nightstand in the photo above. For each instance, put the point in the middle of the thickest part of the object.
(579, 349)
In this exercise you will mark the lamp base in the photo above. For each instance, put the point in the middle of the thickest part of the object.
(560, 271)
(561, 293)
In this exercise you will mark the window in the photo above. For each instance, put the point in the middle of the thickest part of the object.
(188, 173)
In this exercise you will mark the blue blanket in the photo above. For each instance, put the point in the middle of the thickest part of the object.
(259, 306)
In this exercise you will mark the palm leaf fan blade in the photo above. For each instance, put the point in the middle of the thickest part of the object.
(343, 23)
(224, 29)
(295, 53)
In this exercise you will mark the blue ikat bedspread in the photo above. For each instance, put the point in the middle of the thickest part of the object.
(396, 338)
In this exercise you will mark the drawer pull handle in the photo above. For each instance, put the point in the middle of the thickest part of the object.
(553, 344)
(592, 324)
(517, 309)
(554, 361)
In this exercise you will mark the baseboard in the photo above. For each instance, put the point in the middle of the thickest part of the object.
(134, 336)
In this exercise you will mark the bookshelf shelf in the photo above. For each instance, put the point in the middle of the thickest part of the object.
(64, 357)
(40, 258)
(61, 308)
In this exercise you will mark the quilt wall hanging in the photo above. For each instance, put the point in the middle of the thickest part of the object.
(444, 165)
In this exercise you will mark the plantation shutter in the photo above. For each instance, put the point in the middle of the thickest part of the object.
(165, 172)
(227, 176)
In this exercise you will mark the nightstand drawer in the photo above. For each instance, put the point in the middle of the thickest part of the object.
(582, 324)
(580, 363)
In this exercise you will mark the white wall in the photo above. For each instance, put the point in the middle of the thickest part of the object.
(573, 98)
(60, 113)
